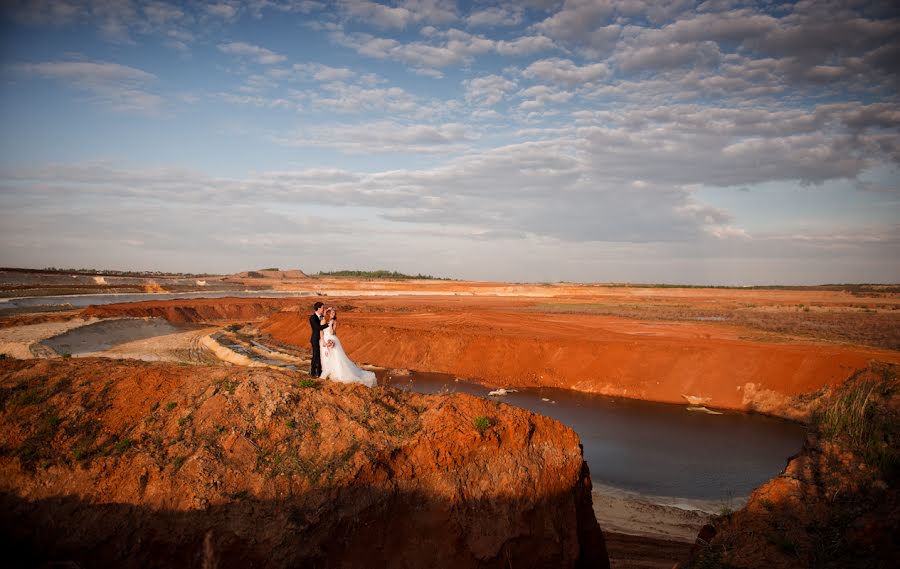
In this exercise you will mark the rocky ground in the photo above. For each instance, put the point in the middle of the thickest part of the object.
(836, 505)
(139, 464)
(130, 457)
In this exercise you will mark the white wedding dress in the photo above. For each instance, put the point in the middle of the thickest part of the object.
(336, 366)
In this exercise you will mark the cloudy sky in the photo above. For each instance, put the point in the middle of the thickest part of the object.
(720, 142)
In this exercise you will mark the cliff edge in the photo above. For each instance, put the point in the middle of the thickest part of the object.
(134, 464)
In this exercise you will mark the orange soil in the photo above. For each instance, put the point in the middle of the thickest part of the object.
(132, 464)
(599, 354)
(491, 339)
(194, 310)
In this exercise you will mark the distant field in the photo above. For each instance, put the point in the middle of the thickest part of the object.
(858, 325)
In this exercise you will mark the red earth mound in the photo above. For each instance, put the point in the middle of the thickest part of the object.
(132, 464)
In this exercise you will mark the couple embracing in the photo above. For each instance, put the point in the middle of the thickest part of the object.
(328, 358)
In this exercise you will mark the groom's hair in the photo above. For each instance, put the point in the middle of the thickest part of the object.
(317, 306)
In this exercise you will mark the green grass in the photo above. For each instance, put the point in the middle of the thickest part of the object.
(170, 406)
(291, 424)
(856, 414)
(481, 423)
(308, 383)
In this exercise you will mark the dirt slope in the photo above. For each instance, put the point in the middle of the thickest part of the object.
(196, 310)
(836, 505)
(502, 342)
(133, 464)
(658, 361)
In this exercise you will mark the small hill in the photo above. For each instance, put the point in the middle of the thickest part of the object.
(137, 464)
(272, 274)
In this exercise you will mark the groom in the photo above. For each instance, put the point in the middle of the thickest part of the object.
(316, 325)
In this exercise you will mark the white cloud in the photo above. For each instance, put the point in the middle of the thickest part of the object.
(566, 71)
(259, 54)
(405, 13)
(223, 10)
(538, 96)
(458, 47)
(503, 15)
(321, 72)
(118, 87)
(385, 136)
(488, 90)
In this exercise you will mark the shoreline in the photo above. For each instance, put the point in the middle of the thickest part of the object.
(660, 517)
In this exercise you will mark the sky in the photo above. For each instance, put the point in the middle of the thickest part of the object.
(718, 142)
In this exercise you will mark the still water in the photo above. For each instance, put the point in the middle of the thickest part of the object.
(82, 300)
(654, 449)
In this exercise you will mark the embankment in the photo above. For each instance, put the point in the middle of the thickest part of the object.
(197, 310)
(836, 504)
(134, 464)
(485, 340)
(721, 366)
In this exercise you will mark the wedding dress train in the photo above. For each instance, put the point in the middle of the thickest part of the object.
(336, 366)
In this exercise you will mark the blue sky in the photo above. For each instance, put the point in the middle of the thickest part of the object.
(718, 142)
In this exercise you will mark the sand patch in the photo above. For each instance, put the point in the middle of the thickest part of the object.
(629, 513)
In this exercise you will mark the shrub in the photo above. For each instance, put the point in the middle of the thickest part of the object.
(481, 423)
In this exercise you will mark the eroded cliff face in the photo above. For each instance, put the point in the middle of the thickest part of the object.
(134, 464)
(836, 504)
(611, 356)
(196, 309)
(717, 365)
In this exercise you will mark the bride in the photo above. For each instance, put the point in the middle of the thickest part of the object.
(336, 366)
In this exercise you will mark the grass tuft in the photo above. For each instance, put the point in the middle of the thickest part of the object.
(481, 423)
(858, 415)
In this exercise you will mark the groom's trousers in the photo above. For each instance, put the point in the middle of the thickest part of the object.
(315, 367)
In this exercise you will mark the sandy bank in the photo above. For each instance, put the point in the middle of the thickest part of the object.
(629, 513)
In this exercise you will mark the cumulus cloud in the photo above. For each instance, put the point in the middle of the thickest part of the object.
(565, 71)
(504, 15)
(259, 54)
(406, 12)
(457, 47)
(488, 90)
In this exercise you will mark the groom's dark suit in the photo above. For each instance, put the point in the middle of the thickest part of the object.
(316, 325)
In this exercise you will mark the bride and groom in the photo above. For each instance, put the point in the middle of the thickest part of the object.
(328, 358)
